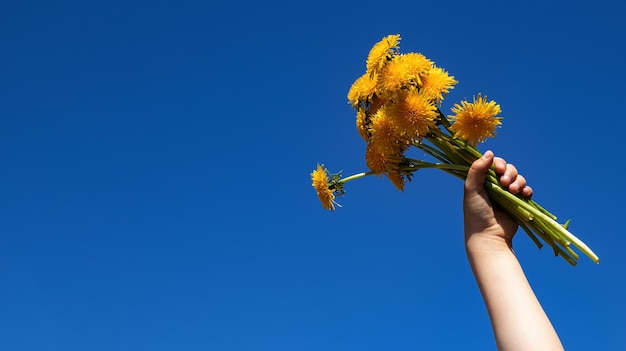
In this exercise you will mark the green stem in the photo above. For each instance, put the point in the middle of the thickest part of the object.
(443, 166)
(355, 176)
(432, 151)
(551, 226)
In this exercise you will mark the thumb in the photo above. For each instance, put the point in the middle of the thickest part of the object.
(478, 171)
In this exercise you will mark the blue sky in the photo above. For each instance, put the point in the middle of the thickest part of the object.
(155, 190)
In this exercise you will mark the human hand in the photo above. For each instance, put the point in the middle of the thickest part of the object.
(489, 232)
(488, 227)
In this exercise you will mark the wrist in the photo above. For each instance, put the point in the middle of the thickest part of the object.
(487, 242)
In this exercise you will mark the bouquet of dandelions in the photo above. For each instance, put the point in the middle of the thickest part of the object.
(397, 103)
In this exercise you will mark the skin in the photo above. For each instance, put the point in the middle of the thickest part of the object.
(517, 318)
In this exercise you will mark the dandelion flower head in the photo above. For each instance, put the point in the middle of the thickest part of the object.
(380, 162)
(476, 121)
(381, 51)
(437, 84)
(416, 65)
(403, 71)
(415, 113)
(384, 131)
(320, 183)
(393, 76)
(362, 89)
(362, 124)
(397, 179)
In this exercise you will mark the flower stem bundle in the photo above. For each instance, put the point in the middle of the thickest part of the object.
(398, 107)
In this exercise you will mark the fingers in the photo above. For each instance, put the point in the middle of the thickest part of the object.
(527, 191)
(510, 175)
(478, 171)
(511, 179)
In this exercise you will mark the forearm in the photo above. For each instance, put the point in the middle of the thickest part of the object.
(518, 320)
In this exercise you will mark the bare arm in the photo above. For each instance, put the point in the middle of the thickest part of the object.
(518, 320)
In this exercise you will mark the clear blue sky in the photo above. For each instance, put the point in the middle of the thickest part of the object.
(155, 191)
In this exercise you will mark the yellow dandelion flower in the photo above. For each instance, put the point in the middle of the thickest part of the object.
(415, 113)
(393, 77)
(403, 71)
(476, 121)
(437, 84)
(384, 132)
(362, 124)
(380, 162)
(375, 160)
(416, 65)
(362, 89)
(379, 53)
(320, 183)
(397, 179)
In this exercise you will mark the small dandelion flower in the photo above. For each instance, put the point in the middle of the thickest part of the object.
(397, 179)
(384, 131)
(362, 89)
(415, 113)
(320, 183)
(375, 160)
(362, 123)
(393, 77)
(437, 84)
(403, 71)
(476, 121)
(416, 65)
(380, 52)
(380, 162)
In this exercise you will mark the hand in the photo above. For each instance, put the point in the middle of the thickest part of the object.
(488, 227)
(518, 320)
